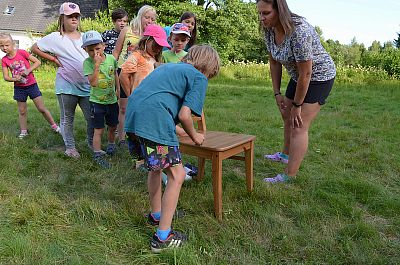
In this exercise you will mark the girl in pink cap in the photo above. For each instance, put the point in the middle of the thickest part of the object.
(72, 87)
(141, 62)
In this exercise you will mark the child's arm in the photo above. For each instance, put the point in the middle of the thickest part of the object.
(185, 117)
(7, 77)
(36, 64)
(35, 49)
(120, 43)
(125, 82)
(180, 131)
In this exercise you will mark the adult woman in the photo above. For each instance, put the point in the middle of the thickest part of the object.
(293, 42)
(126, 43)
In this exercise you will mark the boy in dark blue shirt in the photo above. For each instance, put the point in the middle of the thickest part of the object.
(120, 20)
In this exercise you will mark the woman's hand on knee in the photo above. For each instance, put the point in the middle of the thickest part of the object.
(295, 117)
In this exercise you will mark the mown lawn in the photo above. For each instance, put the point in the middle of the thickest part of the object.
(343, 208)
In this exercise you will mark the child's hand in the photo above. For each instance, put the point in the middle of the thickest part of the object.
(198, 138)
(57, 62)
(25, 72)
(97, 58)
(18, 78)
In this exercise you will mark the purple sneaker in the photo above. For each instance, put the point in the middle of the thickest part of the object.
(279, 178)
(277, 157)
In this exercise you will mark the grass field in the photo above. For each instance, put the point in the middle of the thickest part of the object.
(343, 208)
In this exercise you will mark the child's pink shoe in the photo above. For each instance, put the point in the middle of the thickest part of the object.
(56, 128)
(277, 157)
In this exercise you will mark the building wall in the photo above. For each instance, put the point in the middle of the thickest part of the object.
(24, 40)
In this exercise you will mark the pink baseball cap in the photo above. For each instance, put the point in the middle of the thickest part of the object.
(158, 33)
(69, 8)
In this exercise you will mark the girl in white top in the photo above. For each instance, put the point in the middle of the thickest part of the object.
(72, 87)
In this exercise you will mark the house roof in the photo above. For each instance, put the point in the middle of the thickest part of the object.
(36, 15)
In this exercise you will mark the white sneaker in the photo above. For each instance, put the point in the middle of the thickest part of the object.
(57, 129)
(23, 135)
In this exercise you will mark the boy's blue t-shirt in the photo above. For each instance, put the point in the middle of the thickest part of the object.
(153, 108)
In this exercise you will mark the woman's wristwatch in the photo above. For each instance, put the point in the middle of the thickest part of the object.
(296, 105)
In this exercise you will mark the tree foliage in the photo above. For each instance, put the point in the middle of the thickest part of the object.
(232, 27)
(397, 41)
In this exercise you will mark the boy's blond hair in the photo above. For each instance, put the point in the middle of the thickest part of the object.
(204, 58)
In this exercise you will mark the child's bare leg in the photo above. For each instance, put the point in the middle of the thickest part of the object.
(97, 139)
(154, 188)
(42, 109)
(121, 118)
(23, 117)
(111, 134)
(176, 177)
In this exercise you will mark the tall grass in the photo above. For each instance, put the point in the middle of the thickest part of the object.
(345, 74)
(343, 208)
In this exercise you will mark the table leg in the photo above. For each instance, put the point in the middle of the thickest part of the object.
(249, 158)
(217, 185)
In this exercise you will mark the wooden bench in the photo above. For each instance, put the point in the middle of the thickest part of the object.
(218, 146)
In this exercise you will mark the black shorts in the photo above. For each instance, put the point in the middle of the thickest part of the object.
(317, 91)
(21, 93)
(100, 113)
(121, 90)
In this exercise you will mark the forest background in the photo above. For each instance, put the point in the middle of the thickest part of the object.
(232, 27)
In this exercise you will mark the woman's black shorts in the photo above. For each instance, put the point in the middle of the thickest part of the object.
(317, 91)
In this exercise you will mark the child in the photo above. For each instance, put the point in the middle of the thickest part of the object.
(126, 44)
(179, 38)
(17, 61)
(101, 71)
(170, 94)
(72, 87)
(120, 20)
(189, 19)
(141, 62)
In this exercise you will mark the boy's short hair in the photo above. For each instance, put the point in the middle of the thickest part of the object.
(91, 37)
(118, 14)
(204, 58)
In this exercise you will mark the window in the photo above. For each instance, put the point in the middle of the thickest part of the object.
(9, 10)
(16, 44)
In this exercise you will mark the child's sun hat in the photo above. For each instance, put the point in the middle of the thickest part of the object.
(158, 33)
(180, 28)
(69, 8)
(91, 37)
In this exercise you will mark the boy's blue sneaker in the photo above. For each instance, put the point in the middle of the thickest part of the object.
(154, 222)
(99, 159)
(175, 239)
(110, 150)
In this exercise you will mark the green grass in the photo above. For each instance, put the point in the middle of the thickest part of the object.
(344, 207)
